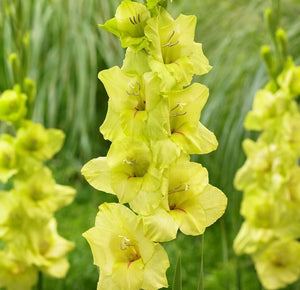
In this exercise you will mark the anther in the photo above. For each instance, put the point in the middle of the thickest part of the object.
(175, 107)
(129, 162)
(139, 18)
(131, 20)
(170, 44)
(178, 114)
(125, 243)
(172, 34)
(134, 20)
(179, 188)
(132, 94)
(169, 40)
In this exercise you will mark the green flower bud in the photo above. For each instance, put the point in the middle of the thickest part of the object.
(12, 105)
(128, 24)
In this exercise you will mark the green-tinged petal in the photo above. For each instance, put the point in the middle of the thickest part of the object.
(267, 108)
(275, 212)
(135, 62)
(129, 156)
(129, 161)
(186, 105)
(50, 250)
(14, 274)
(268, 166)
(293, 185)
(199, 60)
(154, 275)
(188, 214)
(40, 194)
(169, 82)
(65, 195)
(111, 26)
(128, 276)
(214, 203)
(33, 139)
(185, 175)
(111, 128)
(194, 140)
(97, 174)
(8, 162)
(160, 226)
(133, 122)
(279, 264)
(101, 256)
(57, 269)
(289, 79)
(123, 89)
(105, 282)
(146, 201)
(125, 187)
(250, 239)
(150, 195)
(165, 152)
(18, 218)
(244, 177)
(158, 124)
(152, 3)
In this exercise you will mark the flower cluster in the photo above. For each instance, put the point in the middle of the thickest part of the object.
(28, 236)
(153, 124)
(271, 184)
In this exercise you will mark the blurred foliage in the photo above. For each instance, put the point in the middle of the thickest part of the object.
(67, 50)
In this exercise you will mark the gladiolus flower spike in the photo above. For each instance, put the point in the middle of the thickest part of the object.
(27, 223)
(153, 124)
(270, 180)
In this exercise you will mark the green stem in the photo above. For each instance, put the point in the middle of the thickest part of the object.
(224, 246)
(201, 281)
(40, 281)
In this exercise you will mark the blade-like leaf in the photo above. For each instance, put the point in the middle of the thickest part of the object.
(177, 281)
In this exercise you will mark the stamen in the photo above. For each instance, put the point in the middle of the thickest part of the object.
(139, 18)
(170, 44)
(169, 40)
(129, 162)
(131, 20)
(175, 107)
(172, 34)
(179, 188)
(178, 114)
(125, 243)
(134, 20)
(133, 93)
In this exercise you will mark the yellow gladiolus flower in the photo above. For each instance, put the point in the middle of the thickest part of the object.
(126, 257)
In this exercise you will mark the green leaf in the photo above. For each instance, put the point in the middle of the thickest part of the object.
(177, 282)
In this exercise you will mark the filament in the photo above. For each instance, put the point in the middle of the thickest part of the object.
(179, 188)
(178, 114)
(129, 162)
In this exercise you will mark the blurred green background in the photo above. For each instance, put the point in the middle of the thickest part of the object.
(66, 51)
